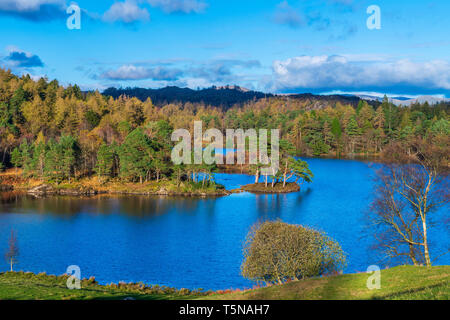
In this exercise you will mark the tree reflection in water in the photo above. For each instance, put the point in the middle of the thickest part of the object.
(133, 206)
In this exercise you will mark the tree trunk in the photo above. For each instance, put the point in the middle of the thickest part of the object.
(425, 244)
(274, 179)
(412, 253)
(257, 176)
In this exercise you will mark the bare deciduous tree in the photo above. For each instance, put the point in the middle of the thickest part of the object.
(409, 189)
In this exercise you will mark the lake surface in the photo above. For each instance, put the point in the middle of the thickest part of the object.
(188, 242)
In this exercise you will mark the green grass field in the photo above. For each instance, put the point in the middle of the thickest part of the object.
(28, 286)
(400, 283)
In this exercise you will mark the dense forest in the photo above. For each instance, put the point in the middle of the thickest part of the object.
(224, 97)
(57, 132)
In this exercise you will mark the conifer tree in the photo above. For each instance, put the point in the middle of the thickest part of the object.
(105, 160)
(136, 156)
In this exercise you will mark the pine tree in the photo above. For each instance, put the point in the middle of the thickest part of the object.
(69, 155)
(353, 128)
(406, 120)
(39, 151)
(360, 106)
(53, 160)
(365, 115)
(136, 155)
(336, 129)
(16, 158)
(327, 134)
(390, 115)
(105, 160)
(441, 127)
(15, 104)
(379, 119)
(353, 131)
(61, 158)
(26, 157)
(300, 169)
(5, 117)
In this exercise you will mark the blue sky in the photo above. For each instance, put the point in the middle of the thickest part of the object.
(317, 46)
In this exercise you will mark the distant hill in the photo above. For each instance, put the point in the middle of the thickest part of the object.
(323, 101)
(422, 99)
(224, 97)
(227, 96)
(405, 101)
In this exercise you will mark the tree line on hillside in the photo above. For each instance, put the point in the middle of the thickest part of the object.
(223, 97)
(42, 117)
(144, 155)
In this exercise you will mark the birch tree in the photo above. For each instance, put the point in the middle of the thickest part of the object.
(409, 191)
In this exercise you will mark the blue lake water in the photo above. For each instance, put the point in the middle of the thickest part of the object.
(189, 242)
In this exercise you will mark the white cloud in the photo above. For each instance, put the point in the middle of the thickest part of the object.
(131, 72)
(342, 73)
(126, 12)
(35, 10)
(18, 58)
(27, 5)
(179, 6)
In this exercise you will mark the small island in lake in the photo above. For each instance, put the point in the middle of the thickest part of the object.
(277, 188)
(281, 182)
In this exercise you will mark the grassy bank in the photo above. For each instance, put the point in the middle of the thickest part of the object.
(400, 283)
(29, 286)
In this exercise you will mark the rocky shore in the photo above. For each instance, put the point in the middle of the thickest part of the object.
(48, 190)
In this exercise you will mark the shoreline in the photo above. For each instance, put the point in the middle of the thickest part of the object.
(91, 186)
(88, 187)
(45, 190)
